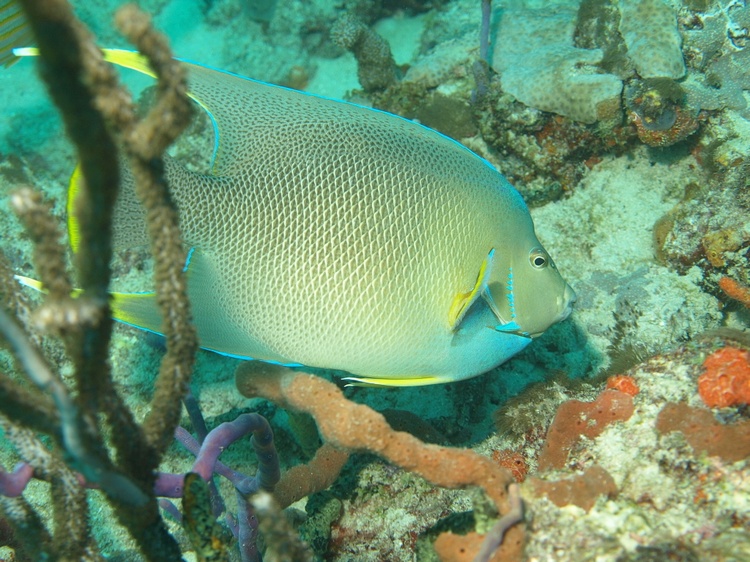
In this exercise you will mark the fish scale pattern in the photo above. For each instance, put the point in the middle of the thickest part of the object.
(337, 236)
(358, 218)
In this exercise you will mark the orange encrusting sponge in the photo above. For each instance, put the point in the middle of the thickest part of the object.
(726, 380)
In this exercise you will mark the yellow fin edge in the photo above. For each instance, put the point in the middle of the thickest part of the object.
(29, 282)
(74, 229)
(397, 382)
(120, 57)
(462, 301)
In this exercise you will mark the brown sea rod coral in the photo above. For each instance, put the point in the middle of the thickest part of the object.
(97, 110)
(376, 68)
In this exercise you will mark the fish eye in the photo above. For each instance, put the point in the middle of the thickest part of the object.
(538, 258)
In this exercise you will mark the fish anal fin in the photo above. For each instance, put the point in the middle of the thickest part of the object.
(395, 381)
(137, 309)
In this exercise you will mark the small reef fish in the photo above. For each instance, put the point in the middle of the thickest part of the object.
(336, 236)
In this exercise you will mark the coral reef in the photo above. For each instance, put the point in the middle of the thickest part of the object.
(539, 65)
(655, 238)
(671, 465)
(707, 226)
(649, 28)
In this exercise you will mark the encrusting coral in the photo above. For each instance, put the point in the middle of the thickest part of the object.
(540, 66)
(649, 28)
(575, 419)
(704, 434)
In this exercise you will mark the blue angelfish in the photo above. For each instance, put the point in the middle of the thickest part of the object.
(341, 237)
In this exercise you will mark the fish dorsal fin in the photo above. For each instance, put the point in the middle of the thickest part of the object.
(136, 61)
(129, 224)
(239, 108)
(463, 301)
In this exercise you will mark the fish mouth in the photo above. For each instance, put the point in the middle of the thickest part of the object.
(565, 302)
(568, 298)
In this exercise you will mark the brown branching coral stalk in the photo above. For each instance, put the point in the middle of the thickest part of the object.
(144, 142)
(98, 115)
(68, 504)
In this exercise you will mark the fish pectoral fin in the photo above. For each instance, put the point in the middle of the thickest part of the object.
(463, 301)
(487, 296)
(395, 381)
